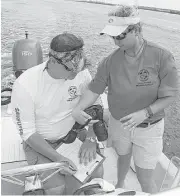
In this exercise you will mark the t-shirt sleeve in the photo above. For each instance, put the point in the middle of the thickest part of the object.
(100, 81)
(85, 84)
(86, 80)
(23, 113)
(168, 76)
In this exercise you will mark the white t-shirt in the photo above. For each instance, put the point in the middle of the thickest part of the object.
(43, 104)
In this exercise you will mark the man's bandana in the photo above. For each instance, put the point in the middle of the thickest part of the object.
(71, 59)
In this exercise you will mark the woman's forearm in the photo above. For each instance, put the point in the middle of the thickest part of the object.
(41, 146)
(161, 104)
(87, 99)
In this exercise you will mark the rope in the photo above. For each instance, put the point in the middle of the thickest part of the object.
(12, 181)
(45, 179)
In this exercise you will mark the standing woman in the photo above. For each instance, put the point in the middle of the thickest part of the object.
(142, 81)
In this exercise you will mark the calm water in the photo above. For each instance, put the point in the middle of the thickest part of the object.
(36, 16)
(45, 18)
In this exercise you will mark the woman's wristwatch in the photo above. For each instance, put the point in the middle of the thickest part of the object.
(149, 112)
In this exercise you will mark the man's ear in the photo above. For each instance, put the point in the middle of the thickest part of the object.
(52, 60)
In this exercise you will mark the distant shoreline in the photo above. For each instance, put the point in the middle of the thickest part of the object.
(170, 11)
(159, 10)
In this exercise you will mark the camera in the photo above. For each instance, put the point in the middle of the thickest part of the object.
(100, 130)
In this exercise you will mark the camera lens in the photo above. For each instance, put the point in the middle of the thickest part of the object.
(100, 131)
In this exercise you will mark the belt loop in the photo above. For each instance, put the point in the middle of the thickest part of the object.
(149, 124)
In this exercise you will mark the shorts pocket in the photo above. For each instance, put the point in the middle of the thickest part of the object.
(152, 131)
(159, 127)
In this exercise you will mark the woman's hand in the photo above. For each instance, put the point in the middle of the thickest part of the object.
(132, 120)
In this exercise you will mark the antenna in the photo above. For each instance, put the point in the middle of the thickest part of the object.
(26, 33)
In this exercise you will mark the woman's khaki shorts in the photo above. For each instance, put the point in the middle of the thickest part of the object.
(145, 143)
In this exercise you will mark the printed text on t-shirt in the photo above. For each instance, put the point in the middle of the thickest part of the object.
(18, 120)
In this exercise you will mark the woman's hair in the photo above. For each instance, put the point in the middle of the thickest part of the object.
(136, 27)
(127, 11)
(123, 11)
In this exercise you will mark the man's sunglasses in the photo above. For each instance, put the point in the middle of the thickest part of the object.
(65, 66)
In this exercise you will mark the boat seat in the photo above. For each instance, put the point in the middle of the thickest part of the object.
(11, 142)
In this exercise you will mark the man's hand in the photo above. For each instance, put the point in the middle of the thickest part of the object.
(132, 120)
(69, 163)
(82, 117)
(87, 152)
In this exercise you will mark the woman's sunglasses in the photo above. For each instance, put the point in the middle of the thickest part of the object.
(122, 35)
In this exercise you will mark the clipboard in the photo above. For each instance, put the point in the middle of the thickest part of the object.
(71, 152)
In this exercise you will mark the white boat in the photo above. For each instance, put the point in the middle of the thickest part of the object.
(12, 156)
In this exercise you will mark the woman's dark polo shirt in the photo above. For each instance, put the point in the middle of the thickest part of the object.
(134, 87)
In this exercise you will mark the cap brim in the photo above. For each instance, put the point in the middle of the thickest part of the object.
(113, 30)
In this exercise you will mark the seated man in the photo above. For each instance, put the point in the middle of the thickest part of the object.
(43, 98)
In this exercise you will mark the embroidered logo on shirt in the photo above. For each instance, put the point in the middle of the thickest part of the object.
(72, 92)
(143, 78)
(18, 120)
(143, 75)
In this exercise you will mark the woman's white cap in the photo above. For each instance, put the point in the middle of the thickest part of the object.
(116, 24)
